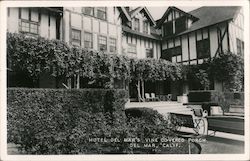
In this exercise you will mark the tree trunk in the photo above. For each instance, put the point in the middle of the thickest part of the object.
(139, 90)
(78, 81)
(143, 93)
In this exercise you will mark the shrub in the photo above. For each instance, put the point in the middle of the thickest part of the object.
(148, 123)
(52, 121)
(62, 121)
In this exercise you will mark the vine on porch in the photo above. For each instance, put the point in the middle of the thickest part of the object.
(227, 68)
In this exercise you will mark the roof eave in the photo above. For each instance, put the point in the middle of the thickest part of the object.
(125, 13)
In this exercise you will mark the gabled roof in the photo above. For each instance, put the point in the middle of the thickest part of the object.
(124, 11)
(212, 15)
(139, 9)
(163, 18)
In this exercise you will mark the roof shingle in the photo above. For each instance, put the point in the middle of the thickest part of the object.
(211, 15)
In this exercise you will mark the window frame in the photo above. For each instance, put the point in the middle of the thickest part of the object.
(73, 40)
(149, 53)
(179, 25)
(112, 44)
(202, 47)
(99, 43)
(92, 9)
(145, 26)
(137, 25)
(130, 47)
(29, 22)
(240, 47)
(103, 11)
(167, 31)
(88, 41)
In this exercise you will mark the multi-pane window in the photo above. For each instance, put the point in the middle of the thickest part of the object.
(88, 10)
(88, 40)
(101, 13)
(132, 48)
(112, 45)
(149, 53)
(29, 27)
(203, 49)
(145, 27)
(136, 24)
(240, 47)
(76, 37)
(29, 20)
(168, 28)
(102, 43)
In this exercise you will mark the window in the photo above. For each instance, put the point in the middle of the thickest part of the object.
(168, 28)
(112, 45)
(29, 20)
(203, 49)
(76, 37)
(132, 48)
(149, 53)
(88, 40)
(145, 27)
(101, 13)
(240, 47)
(102, 43)
(172, 54)
(176, 51)
(180, 24)
(29, 27)
(136, 24)
(88, 11)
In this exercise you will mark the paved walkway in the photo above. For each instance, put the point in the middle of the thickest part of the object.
(163, 107)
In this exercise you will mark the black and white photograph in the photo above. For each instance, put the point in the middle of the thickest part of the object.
(125, 80)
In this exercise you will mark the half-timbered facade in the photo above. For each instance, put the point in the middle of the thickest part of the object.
(140, 39)
(191, 38)
(42, 21)
(182, 37)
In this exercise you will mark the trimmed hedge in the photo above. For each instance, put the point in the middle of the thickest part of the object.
(63, 121)
(59, 121)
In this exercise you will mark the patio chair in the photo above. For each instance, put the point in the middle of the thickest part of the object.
(200, 121)
(154, 98)
(148, 98)
(169, 97)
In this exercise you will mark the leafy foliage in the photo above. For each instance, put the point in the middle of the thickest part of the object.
(226, 67)
(60, 121)
(229, 68)
(37, 55)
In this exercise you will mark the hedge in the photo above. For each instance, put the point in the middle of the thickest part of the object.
(63, 121)
(59, 121)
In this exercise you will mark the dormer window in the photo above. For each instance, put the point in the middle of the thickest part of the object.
(101, 13)
(88, 11)
(145, 27)
(136, 24)
(98, 12)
